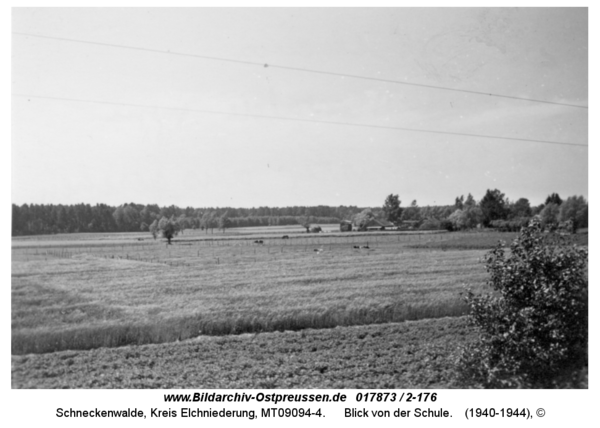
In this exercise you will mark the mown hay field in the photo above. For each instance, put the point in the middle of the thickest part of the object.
(106, 294)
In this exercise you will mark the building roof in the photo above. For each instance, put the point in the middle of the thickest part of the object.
(380, 223)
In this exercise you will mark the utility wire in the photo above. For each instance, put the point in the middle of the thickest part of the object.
(305, 70)
(329, 122)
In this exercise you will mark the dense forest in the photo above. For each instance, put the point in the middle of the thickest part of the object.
(48, 219)
(493, 210)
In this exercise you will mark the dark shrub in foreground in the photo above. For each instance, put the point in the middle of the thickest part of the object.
(534, 327)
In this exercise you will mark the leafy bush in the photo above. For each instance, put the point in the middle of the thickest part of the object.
(431, 224)
(534, 326)
(513, 225)
(447, 224)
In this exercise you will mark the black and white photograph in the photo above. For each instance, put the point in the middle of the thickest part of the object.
(299, 198)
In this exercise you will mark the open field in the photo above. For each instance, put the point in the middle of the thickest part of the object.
(313, 310)
(186, 235)
(29, 246)
(413, 354)
(107, 295)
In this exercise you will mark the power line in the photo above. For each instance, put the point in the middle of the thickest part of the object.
(304, 70)
(328, 122)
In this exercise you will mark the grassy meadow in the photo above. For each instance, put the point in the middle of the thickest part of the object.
(107, 293)
(304, 312)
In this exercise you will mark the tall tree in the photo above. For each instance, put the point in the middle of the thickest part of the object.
(520, 208)
(167, 228)
(549, 216)
(412, 213)
(362, 219)
(458, 202)
(305, 221)
(457, 219)
(467, 218)
(470, 201)
(553, 199)
(391, 208)
(493, 206)
(575, 209)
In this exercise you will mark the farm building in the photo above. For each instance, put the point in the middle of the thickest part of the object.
(375, 224)
(345, 226)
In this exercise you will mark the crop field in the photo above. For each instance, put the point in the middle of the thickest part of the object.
(412, 354)
(106, 294)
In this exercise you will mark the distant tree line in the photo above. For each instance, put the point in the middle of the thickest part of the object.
(33, 219)
(494, 210)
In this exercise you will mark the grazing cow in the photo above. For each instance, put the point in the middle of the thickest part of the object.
(285, 237)
(258, 241)
(356, 247)
(366, 247)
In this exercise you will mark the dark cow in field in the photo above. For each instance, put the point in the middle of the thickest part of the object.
(258, 241)
(285, 237)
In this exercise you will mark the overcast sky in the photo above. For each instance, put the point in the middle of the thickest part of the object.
(107, 148)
